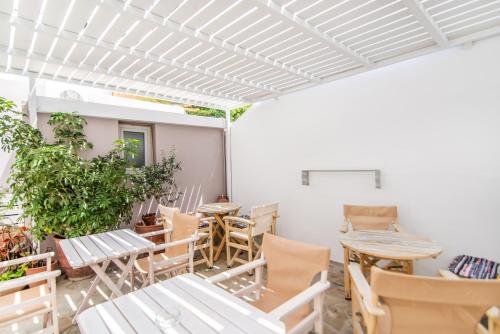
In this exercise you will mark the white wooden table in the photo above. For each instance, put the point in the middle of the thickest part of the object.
(203, 308)
(99, 250)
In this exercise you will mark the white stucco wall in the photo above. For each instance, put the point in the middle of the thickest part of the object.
(431, 124)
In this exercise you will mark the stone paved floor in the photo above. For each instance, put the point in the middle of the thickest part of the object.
(70, 294)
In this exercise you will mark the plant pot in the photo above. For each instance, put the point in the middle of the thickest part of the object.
(140, 228)
(40, 269)
(222, 199)
(149, 219)
(73, 274)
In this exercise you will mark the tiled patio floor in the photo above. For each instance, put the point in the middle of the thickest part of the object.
(70, 294)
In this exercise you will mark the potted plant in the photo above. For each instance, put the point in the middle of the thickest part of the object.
(155, 182)
(64, 194)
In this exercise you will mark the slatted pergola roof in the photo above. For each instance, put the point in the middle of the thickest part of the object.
(225, 53)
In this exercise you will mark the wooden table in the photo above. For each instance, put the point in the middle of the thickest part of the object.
(202, 308)
(99, 250)
(218, 211)
(372, 246)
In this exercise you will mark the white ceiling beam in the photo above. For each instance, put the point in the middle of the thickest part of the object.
(167, 25)
(426, 20)
(281, 12)
(104, 71)
(74, 38)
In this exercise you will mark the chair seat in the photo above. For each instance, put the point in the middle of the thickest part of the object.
(270, 300)
(142, 265)
(23, 296)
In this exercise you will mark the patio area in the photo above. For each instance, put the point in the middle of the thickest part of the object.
(70, 295)
(250, 166)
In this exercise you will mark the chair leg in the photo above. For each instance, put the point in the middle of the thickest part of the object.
(210, 249)
(250, 253)
(318, 307)
(228, 249)
(132, 279)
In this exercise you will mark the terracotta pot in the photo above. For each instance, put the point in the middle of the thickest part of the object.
(222, 199)
(149, 218)
(140, 228)
(32, 271)
(73, 274)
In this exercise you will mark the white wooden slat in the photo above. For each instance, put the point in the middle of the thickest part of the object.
(85, 254)
(94, 249)
(193, 312)
(136, 316)
(150, 306)
(74, 259)
(231, 307)
(108, 244)
(89, 322)
(136, 239)
(126, 241)
(114, 319)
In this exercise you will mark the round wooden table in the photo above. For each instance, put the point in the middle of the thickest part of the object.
(399, 247)
(218, 211)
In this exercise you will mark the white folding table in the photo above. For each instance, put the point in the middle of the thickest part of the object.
(203, 308)
(99, 250)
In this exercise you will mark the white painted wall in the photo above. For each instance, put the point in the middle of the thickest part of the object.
(431, 124)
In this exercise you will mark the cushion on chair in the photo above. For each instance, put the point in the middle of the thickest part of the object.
(23, 296)
(474, 267)
(142, 265)
(203, 224)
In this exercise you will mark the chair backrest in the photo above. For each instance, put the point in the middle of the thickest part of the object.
(370, 217)
(167, 213)
(183, 226)
(432, 305)
(263, 217)
(292, 265)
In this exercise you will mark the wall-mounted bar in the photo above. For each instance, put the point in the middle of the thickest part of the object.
(376, 172)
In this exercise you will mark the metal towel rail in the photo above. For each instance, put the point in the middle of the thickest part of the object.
(376, 172)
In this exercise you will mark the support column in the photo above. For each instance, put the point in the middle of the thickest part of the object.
(32, 102)
(227, 134)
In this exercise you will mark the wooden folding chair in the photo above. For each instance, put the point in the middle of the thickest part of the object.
(399, 303)
(178, 250)
(296, 282)
(370, 218)
(241, 233)
(205, 244)
(361, 217)
(31, 302)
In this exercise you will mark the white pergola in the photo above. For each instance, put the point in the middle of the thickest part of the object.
(226, 53)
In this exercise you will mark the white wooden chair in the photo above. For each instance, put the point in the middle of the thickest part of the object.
(399, 303)
(36, 301)
(178, 250)
(291, 293)
(205, 245)
(241, 233)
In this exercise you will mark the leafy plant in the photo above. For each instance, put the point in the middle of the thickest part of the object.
(16, 272)
(63, 193)
(156, 181)
(15, 244)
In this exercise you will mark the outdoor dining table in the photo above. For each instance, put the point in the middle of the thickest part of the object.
(374, 245)
(218, 211)
(98, 251)
(188, 302)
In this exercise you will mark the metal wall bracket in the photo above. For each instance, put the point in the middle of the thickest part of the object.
(376, 172)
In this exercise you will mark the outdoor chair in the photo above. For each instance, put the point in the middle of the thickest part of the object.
(241, 233)
(370, 218)
(205, 245)
(178, 250)
(296, 282)
(40, 300)
(399, 303)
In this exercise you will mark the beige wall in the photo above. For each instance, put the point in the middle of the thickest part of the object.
(199, 149)
(101, 132)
